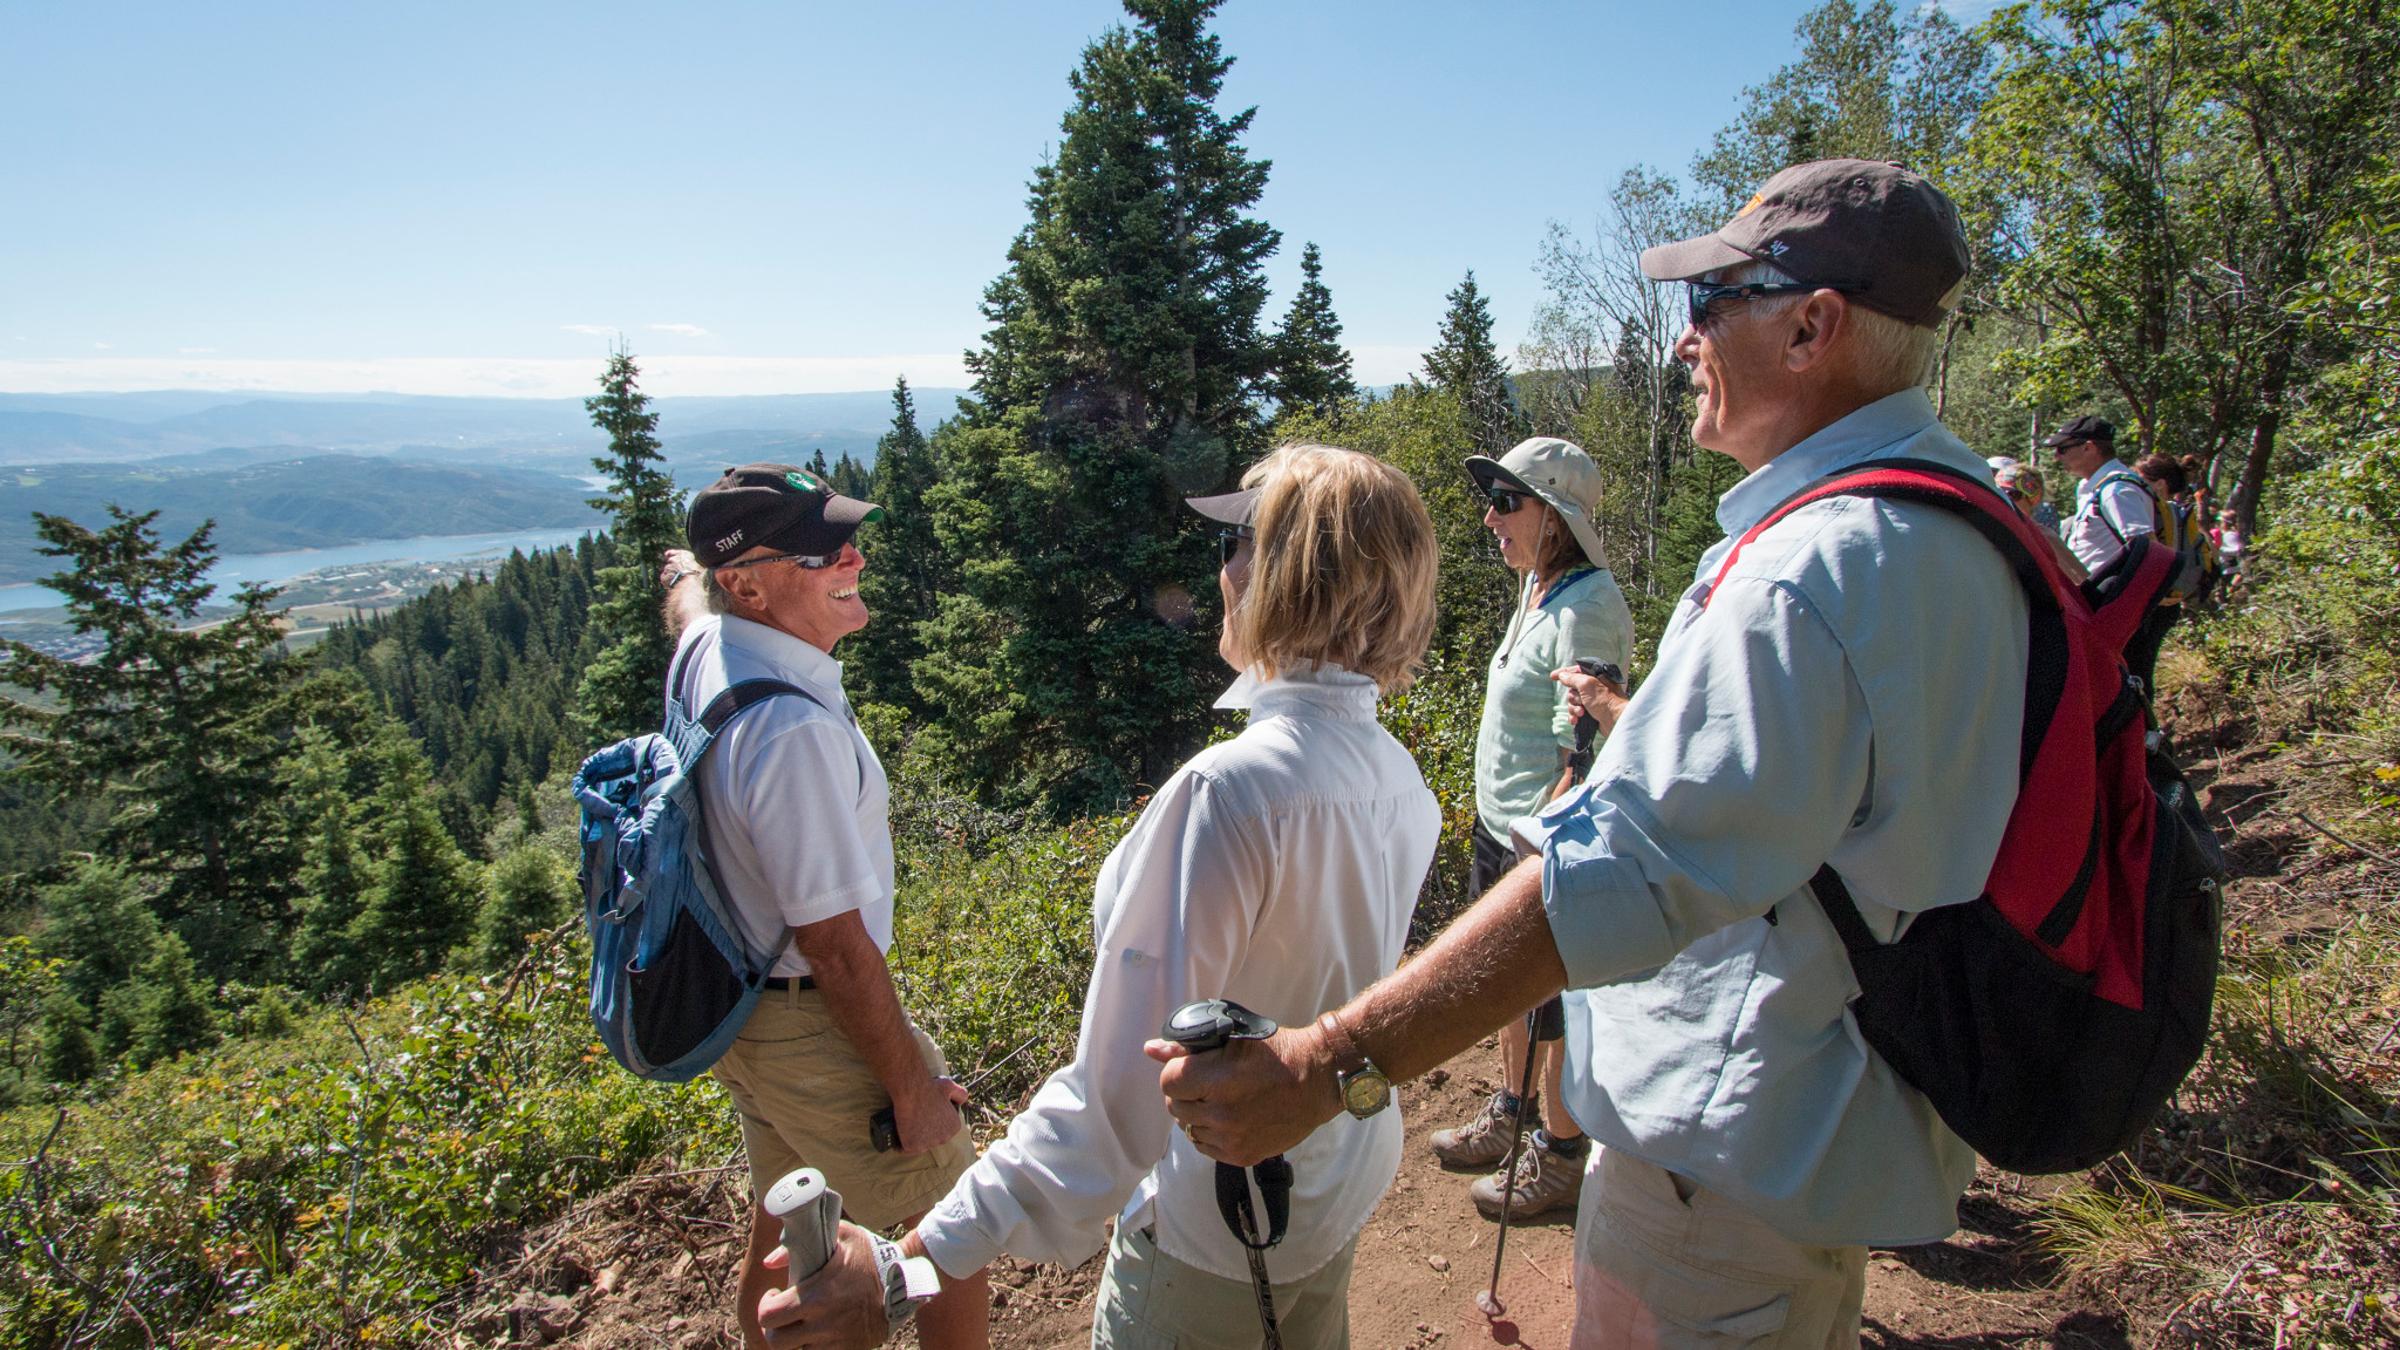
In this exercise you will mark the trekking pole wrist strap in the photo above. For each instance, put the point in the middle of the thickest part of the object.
(907, 1280)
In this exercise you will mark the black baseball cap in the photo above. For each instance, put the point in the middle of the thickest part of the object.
(1876, 232)
(2084, 428)
(778, 506)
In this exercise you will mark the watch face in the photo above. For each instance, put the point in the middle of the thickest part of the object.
(1364, 1093)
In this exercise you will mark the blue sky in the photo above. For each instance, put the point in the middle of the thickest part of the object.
(762, 198)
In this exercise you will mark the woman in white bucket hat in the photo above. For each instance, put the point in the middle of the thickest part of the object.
(1540, 499)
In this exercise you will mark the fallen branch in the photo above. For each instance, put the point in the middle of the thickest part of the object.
(2353, 845)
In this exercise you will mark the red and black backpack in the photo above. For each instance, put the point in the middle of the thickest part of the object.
(2051, 1017)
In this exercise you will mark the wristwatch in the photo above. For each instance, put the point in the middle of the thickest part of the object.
(1363, 1087)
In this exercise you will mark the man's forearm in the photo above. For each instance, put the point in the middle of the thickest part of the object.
(858, 993)
(1495, 962)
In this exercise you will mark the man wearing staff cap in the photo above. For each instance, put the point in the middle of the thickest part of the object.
(796, 807)
(1849, 693)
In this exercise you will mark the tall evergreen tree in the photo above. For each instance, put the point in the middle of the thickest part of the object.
(619, 695)
(1465, 365)
(95, 922)
(67, 1053)
(1312, 367)
(177, 721)
(530, 893)
(906, 573)
(1120, 373)
(168, 1011)
(425, 891)
(336, 869)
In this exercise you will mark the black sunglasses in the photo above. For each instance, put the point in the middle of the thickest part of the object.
(1505, 501)
(1229, 542)
(808, 561)
(1702, 296)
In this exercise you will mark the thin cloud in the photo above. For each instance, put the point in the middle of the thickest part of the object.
(590, 329)
(680, 329)
(103, 346)
(195, 351)
(492, 376)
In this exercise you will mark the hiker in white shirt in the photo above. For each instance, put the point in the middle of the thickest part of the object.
(1277, 869)
(2111, 504)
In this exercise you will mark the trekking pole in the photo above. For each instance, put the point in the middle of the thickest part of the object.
(1488, 1302)
(1208, 1025)
(811, 1212)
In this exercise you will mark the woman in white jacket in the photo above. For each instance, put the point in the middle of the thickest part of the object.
(1277, 869)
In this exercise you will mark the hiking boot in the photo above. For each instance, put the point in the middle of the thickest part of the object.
(1546, 1182)
(1483, 1141)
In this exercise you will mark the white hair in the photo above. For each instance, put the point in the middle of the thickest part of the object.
(1893, 354)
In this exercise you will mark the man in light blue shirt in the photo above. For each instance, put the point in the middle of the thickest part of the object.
(1850, 692)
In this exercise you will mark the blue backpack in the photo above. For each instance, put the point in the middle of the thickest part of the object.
(673, 979)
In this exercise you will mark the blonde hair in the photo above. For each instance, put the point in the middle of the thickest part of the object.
(1342, 569)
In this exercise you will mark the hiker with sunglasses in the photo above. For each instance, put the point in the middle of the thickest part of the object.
(1847, 691)
(1277, 869)
(796, 812)
(1540, 500)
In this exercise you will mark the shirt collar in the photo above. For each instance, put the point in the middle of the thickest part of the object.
(1863, 434)
(787, 654)
(1327, 691)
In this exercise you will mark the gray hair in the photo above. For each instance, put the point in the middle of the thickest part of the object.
(713, 595)
(1893, 354)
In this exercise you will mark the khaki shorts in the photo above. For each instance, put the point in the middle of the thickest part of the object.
(1661, 1264)
(806, 1097)
(1151, 1301)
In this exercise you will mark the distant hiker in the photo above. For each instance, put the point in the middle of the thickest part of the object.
(796, 809)
(1851, 691)
(2022, 484)
(1539, 502)
(1278, 869)
(2025, 488)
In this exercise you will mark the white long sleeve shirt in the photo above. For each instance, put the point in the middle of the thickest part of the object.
(1277, 869)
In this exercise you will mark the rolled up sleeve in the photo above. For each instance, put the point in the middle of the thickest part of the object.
(1191, 876)
(1724, 787)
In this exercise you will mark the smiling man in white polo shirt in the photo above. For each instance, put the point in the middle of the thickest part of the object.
(796, 808)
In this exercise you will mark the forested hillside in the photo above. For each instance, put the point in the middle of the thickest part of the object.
(290, 989)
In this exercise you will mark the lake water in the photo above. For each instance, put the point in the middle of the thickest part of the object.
(235, 568)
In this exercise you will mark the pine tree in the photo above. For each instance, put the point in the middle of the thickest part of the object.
(335, 872)
(1312, 367)
(170, 1011)
(67, 1052)
(177, 721)
(620, 691)
(530, 893)
(906, 573)
(1465, 365)
(95, 921)
(1120, 373)
(423, 896)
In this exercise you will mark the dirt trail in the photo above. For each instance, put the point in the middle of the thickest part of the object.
(650, 1264)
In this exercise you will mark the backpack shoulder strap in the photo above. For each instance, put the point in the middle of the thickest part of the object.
(2036, 569)
(693, 738)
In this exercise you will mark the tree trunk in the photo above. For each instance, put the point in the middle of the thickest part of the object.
(2262, 438)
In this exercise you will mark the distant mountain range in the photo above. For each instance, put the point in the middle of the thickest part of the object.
(312, 501)
(295, 471)
(59, 428)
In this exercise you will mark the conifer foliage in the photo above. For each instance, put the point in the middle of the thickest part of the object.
(1120, 374)
(177, 724)
(906, 573)
(1312, 367)
(1465, 365)
(620, 690)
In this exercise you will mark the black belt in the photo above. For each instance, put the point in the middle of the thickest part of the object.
(784, 982)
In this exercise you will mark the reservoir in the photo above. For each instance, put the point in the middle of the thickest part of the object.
(268, 568)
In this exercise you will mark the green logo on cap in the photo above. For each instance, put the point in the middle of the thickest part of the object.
(801, 479)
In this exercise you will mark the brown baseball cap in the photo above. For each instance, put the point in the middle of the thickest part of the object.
(1876, 232)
